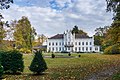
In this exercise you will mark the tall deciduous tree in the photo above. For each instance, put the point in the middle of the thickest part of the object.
(113, 35)
(4, 4)
(41, 39)
(2, 31)
(24, 33)
(100, 35)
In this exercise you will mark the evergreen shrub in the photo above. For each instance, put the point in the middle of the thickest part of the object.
(79, 55)
(52, 55)
(38, 64)
(69, 54)
(12, 61)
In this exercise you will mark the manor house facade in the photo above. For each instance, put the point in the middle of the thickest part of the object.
(68, 42)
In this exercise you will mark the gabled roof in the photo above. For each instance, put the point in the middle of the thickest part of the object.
(58, 36)
(81, 36)
(77, 36)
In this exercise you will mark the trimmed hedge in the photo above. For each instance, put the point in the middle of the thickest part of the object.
(38, 64)
(12, 61)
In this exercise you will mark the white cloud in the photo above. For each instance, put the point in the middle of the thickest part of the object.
(87, 14)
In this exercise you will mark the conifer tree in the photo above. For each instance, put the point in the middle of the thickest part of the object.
(38, 64)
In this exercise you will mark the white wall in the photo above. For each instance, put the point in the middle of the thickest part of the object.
(90, 44)
(55, 48)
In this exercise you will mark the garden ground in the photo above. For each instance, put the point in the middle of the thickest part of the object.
(87, 67)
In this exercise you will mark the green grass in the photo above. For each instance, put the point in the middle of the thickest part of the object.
(116, 76)
(74, 68)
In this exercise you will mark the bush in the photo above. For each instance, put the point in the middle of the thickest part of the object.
(1, 71)
(38, 64)
(52, 55)
(69, 54)
(12, 62)
(24, 50)
(112, 50)
(79, 55)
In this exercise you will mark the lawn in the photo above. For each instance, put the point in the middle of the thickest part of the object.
(73, 68)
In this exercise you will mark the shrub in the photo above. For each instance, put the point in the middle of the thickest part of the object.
(52, 55)
(38, 64)
(24, 50)
(1, 71)
(12, 62)
(69, 54)
(112, 50)
(79, 55)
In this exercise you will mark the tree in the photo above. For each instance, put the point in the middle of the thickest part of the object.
(24, 33)
(100, 35)
(2, 32)
(38, 64)
(112, 40)
(112, 5)
(4, 4)
(41, 39)
(77, 31)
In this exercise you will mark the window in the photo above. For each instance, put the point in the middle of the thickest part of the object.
(63, 48)
(75, 48)
(49, 43)
(90, 48)
(59, 48)
(75, 43)
(82, 43)
(79, 48)
(68, 43)
(86, 48)
(56, 49)
(68, 48)
(79, 43)
(60, 43)
(72, 43)
(63, 43)
(96, 48)
(82, 48)
(90, 43)
(53, 44)
(86, 43)
(56, 44)
(53, 49)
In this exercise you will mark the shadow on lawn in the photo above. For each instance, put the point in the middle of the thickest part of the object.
(24, 76)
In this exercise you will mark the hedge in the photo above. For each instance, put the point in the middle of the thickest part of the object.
(12, 61)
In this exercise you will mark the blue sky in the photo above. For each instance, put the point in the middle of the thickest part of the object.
(51, 17)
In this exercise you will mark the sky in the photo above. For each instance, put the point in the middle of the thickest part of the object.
(50, 17)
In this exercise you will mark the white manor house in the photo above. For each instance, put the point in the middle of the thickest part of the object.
(68, 42)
